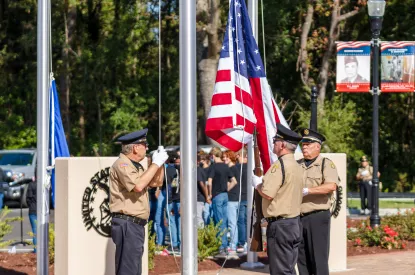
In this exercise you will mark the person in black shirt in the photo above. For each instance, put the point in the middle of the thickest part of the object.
(207, 210)
(31, 201)
(242, 157)
(173, 181)
(229, 158)
(219, 175)
(202, 193)
(2, 179)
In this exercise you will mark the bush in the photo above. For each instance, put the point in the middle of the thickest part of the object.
(5, 227)
(209, 240)
(393, 234)
(51, 243)
(404, 224)
(151, 246)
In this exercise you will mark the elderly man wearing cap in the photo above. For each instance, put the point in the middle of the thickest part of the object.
(129, 200)
(320, 181)
(351, 67)
(364, 176)
(281, 191)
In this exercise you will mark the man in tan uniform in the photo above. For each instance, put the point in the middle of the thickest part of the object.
(364, 176)
(129, 200)
(320, 181)
(281, 191)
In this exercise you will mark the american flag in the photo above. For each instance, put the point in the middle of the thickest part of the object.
(242, 99)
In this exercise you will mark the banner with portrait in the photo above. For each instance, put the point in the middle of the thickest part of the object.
(397, 66)
(353, 67)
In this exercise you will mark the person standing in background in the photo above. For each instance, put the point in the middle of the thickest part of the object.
(207, 210)
(31, 201)
(219, 176)
(229, 158)
(173, 181)
(202, 193)
(242, 157)
(364, 176)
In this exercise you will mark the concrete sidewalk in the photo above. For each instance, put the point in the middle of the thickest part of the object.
(402, 263)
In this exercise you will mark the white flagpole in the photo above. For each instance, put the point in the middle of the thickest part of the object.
(43, 83)
(252, 257)
(188, 142)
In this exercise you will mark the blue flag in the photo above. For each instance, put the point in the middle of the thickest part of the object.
(58, 146)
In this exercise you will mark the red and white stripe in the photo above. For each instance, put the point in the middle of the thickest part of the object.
(395, 44)
(344, 45)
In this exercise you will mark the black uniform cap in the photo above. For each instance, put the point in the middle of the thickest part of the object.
(312, 136)
(363, 158)
(134, 137)
(285, 134)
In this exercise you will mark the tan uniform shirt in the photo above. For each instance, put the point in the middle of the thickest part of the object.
(123, 199)
(369, 176)
(314, 178)
(286, 196)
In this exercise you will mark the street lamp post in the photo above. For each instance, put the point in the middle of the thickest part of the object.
(376, 10)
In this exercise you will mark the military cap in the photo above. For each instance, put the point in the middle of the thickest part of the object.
(285, 134)
(363, 158)
(134, 137)
(350, 59)
(312, 136)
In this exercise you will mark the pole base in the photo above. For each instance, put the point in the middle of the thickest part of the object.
(374, 220)
(252, 265)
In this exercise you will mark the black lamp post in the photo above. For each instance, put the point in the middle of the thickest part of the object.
(376, 10)
(313, 121)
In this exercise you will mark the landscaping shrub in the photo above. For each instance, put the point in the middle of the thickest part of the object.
(209, 240)
(5, 226)
(151, 246)
(393, 233)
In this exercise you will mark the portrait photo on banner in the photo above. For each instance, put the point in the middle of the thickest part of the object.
(353, 69)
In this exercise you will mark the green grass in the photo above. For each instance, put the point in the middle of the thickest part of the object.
(355, 203)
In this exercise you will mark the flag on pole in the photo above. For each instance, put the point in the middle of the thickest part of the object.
(242, 99)
(58, 146)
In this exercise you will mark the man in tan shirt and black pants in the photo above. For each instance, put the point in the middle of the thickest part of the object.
(320, 181)
(281, 191)
(129, 201)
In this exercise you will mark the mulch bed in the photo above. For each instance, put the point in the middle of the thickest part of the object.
(20, 264)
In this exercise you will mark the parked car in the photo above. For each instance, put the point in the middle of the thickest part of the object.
(19, 166)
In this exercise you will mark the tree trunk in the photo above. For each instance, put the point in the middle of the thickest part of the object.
(336, 18)
(302, 63)
(208, 50)
(81, 112)
(70, 21)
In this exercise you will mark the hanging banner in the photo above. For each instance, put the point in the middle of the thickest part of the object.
(353, 67)
(397, 66)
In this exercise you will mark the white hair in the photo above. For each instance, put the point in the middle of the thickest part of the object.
(290, 146)
(127, 149)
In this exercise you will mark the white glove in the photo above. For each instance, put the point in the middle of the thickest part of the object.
(365, 173)
(159, 157)
(256, 180)
(305, 191)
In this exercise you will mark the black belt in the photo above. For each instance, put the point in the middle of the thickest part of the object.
(130, 218)
(313, 212)
(273, 219)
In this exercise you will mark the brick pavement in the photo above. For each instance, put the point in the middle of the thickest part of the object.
(395, 263)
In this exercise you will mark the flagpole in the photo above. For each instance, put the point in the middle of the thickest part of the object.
(252, 257)
(43, 83)
(188, 135)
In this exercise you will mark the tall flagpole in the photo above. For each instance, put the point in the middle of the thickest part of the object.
(252, 257)
(43, 59)
(188, 135)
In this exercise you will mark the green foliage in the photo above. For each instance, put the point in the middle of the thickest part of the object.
(394, 232)
(5, 226)
(403, 223)
(51, 243)
(151, 247)
(402, 184)
(209, 240)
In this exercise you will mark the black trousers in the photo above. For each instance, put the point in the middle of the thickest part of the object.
(129, 246)
(283, 239)
(365, 195)
(313, 253)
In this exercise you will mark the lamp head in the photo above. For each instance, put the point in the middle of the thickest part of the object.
(376, 10)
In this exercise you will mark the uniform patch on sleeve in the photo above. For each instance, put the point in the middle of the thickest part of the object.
(123, 164)
(332, 165)
(275, 167)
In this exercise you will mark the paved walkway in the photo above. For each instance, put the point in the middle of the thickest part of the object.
(395, 263)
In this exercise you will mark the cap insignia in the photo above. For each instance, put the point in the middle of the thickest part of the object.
(306, 132)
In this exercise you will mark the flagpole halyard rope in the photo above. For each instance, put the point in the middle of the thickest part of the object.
(263, 36)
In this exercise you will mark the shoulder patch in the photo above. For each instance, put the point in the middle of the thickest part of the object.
(123, 164)
(275, 167)
(332, 164)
